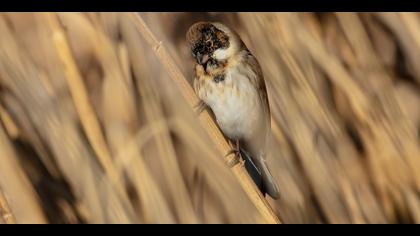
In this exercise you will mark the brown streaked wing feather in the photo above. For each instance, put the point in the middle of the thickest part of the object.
(259, 82)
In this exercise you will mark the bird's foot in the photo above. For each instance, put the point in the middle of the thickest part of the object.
(236, 159)
(232, 161)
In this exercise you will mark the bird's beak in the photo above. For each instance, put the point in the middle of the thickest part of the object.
(201, 59)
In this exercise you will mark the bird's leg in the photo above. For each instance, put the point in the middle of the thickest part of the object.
(200, 107)
(238, 152)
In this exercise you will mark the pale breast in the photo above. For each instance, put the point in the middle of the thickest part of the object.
(235, 103)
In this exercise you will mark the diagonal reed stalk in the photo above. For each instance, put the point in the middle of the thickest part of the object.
(15, 183)
(80, 96)
(207, 122)
(6, 215)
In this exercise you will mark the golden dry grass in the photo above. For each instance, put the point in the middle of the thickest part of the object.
(97, 124)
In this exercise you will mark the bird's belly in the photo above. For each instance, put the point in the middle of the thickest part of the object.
(236, 107)
(233, 118)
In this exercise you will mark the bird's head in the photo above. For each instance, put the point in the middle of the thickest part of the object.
(211, 41)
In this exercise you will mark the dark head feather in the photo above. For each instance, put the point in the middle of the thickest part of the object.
(205, 38)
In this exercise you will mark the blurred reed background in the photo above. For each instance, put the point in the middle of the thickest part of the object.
(94, 128)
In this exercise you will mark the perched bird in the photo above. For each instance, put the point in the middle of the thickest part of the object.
(229, 80)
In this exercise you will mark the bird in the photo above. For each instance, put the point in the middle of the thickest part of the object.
(229, 80)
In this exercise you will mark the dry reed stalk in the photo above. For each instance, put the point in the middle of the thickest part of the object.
(216, 136)
(171, 169)
(6, 216)
(56, 125)
(14, 183)
(8, 123)
(343, 93)
(379, 119)
(296, 116)
(394, 135)
(131, 160)
(120, 126)
(88, 117)
(345, 187)
(165, 148)
(81, 99)
(405, 28)
(329, 158)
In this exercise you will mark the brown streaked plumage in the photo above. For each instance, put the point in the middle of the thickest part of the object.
(229, 80)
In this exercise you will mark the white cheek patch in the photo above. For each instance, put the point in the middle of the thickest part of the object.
(222, 54)
(225, 53)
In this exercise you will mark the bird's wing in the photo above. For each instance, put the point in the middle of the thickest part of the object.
(258, 81)
(259, 157)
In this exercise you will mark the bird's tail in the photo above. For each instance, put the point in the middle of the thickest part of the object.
(260, 174)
